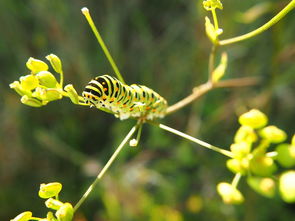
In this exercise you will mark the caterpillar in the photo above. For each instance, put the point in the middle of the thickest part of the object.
(136, 101)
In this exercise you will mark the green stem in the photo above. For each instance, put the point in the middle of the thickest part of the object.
(195, 140)
(261, 29)
(61, 79)
(236, 180)
(211, 62)
(87, 15)
(215, 20)
(106, 167)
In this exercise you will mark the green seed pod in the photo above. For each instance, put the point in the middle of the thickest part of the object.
(287, 186)
(47, 79)
(229, 194)
(53, 204)
(19, 89)
(30, 101)
(245, 134)
(49, 190)
(262, 166)
(25, 216)
(36, 65)
(65, 213)
(253, 118)
(264, 186)
(73, 95)
(286, 155)
(29, 82)
(273, 134)
(55, 63)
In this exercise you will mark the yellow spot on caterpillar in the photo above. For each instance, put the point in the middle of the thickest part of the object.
(112, 99)
(105, 89)
(147, 108)
(103, 83)
(116, 89)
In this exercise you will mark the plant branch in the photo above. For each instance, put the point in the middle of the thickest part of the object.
(106, 167)
(263, 28)
(204, 88)
(195, 140)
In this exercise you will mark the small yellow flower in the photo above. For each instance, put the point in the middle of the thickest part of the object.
(55, 63)
(273, 134)
(30, 101)
(25, 216)
(212, 4)
(29, 82)
(36, 65)
(47, 79)
(229, 194)
(253, 118)
(49, 190)
(65, 213)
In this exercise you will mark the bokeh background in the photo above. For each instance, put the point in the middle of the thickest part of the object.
(162, 45)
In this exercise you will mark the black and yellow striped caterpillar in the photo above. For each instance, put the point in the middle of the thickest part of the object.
(137, 101)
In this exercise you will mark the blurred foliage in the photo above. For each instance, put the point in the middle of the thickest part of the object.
(155, 43)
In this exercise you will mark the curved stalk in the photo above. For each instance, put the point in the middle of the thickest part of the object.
(261, 29)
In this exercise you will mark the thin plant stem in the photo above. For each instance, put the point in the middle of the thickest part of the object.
(211, 62)
(139, 132)
(204, 88)
(261, 29)
(236, 180)
(87, 15)
(61, 79)
(106, 167)
(215, 20)
(195, 140)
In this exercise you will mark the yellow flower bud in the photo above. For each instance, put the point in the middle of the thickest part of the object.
(36, 65)
(49, 190)
(240, 149)
(210, 30)
(273, 134)
(194, 204)
(73, 95)
(47, 95)
(55, 63)
(253, 118)
(29, 82)
(287, 186)
(30, 101)
(47, 79)
(53, 203)
(245, 134)
(229, 194)
(212, 4)
(220, 69)
(19, 89)
(65, 213)
(286, 155)
(25, 216)
(263, 186)
(238, 165)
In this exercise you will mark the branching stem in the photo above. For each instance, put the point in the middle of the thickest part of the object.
(106, 167)
(204, 88)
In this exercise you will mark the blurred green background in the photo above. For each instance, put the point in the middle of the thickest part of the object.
(160, 44)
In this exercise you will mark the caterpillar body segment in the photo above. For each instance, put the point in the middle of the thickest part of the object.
(136, 101)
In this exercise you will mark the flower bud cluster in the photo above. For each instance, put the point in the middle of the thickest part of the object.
(253, 158)
(63, 211)
(40, 86)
